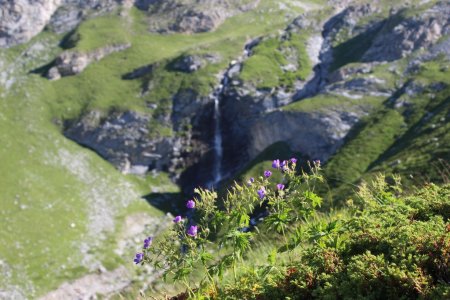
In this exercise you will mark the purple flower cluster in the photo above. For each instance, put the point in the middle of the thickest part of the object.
(279, 165)
(192, 231)
(261, 193)
(190, 204)
(177, 219)
(148, 242)
(276, 164)
(139, 257)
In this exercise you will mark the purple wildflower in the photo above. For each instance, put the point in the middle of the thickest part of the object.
(190, 204)
(280, 187)
(139, 257)
(267, 174)
(192, 231)
(250, 181)
(147, 242)
(284, 163)
(177, 219)
(317, 162)
(276, 164)
(293, 160)
(261, 193)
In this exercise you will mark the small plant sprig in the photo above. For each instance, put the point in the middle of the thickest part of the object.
(216, 235)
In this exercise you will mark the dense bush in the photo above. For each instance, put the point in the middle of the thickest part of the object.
(390, 247)
(382, 246)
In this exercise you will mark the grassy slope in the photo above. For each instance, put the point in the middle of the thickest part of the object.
(47, 188)
(412, 140)
(264, 68)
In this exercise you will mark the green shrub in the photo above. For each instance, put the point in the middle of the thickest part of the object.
(392, 247)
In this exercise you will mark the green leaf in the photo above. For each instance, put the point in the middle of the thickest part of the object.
(205, 256)
(272, 257)
(315, 199)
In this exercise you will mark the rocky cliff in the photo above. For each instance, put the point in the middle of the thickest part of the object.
(20, 20)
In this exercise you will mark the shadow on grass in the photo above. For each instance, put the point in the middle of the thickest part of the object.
(43, 70)
(173, 203)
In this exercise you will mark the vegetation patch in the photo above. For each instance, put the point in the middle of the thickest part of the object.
(278, 61)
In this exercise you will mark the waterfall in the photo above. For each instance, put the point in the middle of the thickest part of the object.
(217, 95)
(218, 147)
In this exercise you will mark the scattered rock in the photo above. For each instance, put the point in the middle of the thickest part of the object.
(188, 63)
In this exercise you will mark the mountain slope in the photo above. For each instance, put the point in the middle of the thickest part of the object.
(141, 96)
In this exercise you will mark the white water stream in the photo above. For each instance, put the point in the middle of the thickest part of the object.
(217, 96)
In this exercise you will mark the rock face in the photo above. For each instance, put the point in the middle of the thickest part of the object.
(192, 63)
(317, 135)
(400, 36)
(125, 138)
(20, 20)
(71, 12)
(71, 63)
(184, 16)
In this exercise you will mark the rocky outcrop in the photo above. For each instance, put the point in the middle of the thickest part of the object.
(127, 140)
(314, 134)
(71, 12)
(402, 35)
(20, 20)
(71, 63)
(192, 63)
(123, 139)
(187, 17)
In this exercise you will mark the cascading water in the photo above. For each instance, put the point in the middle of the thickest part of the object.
(217, 96)
(218, 148)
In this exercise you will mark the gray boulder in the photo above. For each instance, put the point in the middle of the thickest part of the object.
(71, 63)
